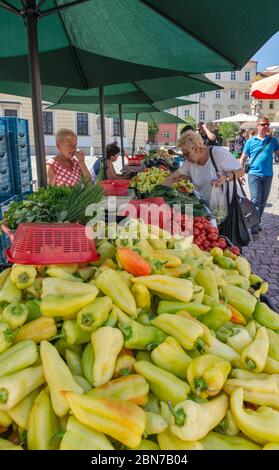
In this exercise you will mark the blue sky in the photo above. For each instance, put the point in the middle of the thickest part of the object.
(268, 54)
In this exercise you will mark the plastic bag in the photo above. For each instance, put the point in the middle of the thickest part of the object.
(218, 203)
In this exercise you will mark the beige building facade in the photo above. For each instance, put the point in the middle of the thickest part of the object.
(86, 125)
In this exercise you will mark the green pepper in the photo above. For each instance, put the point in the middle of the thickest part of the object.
(224, 262)
(15, 314)
(155, 423)
(171, 357)
(139, 336)
(228, 426)
(218, 314)
(34, 309)
(85, 385)
(94, 315)
(112, 319)
(273, 350)
(23, 276)
(106, 251)
(254, 356)
(62, 274)
(216, 441)
(18, 356)
(266, 316)
(194, 308)
(42, 425)
(207, 374)
(163, 384)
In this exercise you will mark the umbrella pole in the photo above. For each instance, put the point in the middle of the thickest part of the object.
(135, 133)
(35, 80)
(103, 129)
(121, 135)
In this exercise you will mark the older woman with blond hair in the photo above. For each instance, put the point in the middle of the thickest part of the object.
(68, 166)
(205, 166)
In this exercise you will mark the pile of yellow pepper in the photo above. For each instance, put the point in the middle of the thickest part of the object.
(158, 345)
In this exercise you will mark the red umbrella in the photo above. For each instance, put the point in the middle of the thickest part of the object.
(267, 88)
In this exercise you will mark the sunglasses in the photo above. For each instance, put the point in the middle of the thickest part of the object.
(263, 124)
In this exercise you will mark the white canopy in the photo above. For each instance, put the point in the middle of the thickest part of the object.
(238, 118)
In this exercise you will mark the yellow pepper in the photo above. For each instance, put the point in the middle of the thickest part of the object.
(207, 374)
(176, 288)
(133, 388)
(43, 425)
(94, 315)
(37, 330)
(81, 437)
(20, 412)
(216, 441)
(107, 343)
(58, 377)
(142, 296)
(254, 356)
(171, 357)
(15, 387)
(23, 276)
(243, 266)
(8, 445)
(66, 306)
(192, 421)
(261, 426)
(112, 285)
(119, 419)
(206, 279)
(9, 292)
(168, 441)
(263, 391)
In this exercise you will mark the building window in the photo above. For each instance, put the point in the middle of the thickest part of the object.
(187, 113)
(202, 95)
(247, 76)
(82, 124)
(271, 105)
(116, 126)
(202, 115)
(10, 112)
(98, 123)
(166, 134)
(217, 114)
(233, 75)
(217, 76)
(48, 122)
(232, 113)
(217, 94)
(232, 94)
(247, 95)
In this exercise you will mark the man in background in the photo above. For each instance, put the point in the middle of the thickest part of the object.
(208, 137)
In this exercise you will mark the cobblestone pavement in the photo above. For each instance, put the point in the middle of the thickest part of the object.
(263, 252)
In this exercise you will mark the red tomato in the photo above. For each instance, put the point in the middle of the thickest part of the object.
(196, 232)
(214, 244)
(206, 245)
(222, 243)
(235, 250)
(212, 237)
(199, 226)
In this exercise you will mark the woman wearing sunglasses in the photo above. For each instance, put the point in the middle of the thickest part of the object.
(258, 152)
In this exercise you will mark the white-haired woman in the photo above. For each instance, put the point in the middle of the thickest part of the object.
(68, 166)
(199, 165)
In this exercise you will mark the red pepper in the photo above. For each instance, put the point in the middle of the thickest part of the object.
(132, 262)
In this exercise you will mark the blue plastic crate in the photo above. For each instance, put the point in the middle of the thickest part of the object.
(18, 132)
(4, 239)
(7, 182)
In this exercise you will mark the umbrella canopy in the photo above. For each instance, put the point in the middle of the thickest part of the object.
(134, 31)
(132, 92)
(238, 118)
(161, 117)
(267, 88)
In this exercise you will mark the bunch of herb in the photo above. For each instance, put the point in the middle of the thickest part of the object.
(54, 204)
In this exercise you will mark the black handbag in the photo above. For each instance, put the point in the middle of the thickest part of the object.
(248, 209)
(234, 226)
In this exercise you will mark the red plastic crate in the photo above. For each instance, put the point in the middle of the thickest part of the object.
(136, 160)
(35, 243)
(115, 187)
